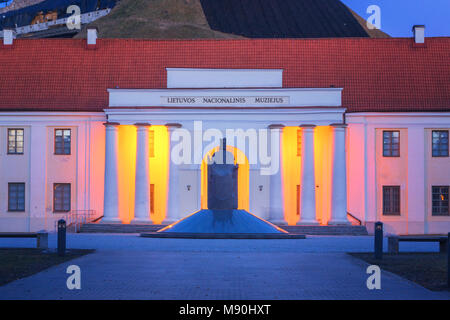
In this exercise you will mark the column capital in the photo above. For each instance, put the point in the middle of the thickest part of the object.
(307, 127)
(142, 124)
(276, 126)
(173, 125)
(339, 125)
(111, 124)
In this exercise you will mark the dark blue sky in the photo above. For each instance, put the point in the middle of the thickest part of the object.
(398, 16)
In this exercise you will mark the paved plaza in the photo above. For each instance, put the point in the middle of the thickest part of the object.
(129, 267)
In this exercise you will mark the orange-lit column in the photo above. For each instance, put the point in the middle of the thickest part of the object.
(111, 191)
(142, 180)
(172, 198)
(308, 179)
(339, 176)
(276, 209)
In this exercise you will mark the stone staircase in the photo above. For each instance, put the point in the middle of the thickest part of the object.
(307, 230)
(119, 228)
(328, 230)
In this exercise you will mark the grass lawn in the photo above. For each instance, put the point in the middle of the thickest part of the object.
(16, 263)
(427, 269)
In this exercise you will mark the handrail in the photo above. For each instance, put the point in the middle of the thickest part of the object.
(355, 218)
(97, 219)
(78, 217)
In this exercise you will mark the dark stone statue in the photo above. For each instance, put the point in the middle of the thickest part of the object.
(222, 180)
(222, 216)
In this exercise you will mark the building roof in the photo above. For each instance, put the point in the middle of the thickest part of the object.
(376, 74)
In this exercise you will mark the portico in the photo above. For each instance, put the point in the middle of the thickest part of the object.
(293, 142)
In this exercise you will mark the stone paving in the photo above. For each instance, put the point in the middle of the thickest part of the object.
(129, 267)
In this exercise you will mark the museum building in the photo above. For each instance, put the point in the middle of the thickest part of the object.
(361, 127)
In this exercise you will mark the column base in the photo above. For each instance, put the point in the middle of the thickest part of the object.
(339, 223)
(279, 222)
(168, 221)
(141, 221)
(111, 220)
(308, 223)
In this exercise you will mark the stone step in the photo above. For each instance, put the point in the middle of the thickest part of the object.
(328, 230)
(119, 228)
(307, 230)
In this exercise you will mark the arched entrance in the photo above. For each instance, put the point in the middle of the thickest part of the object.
(243, 177)
(225, 213)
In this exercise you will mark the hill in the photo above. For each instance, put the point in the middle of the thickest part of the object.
(157, 19)
(218, 19)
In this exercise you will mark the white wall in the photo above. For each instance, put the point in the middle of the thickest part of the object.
(415, 171)
(39, 167)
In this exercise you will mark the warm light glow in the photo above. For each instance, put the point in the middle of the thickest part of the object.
(243, 177)
(127, 167)
(158, 172)
(292, 172)
(323, 148)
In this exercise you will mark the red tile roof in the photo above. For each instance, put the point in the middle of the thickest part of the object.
(376, 74)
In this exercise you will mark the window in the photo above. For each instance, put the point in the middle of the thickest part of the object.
(61, 197)
(440, 201)
(152, 199)
(151, 141)
(299, 143)
(16, 196)
(62, 141)
(391, 143)
(440, 143)
(391, 200)
(298, 200)
(15, 141)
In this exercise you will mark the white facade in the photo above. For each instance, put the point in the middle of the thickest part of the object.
(39, 168)
(415, 171)
(341, 167)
